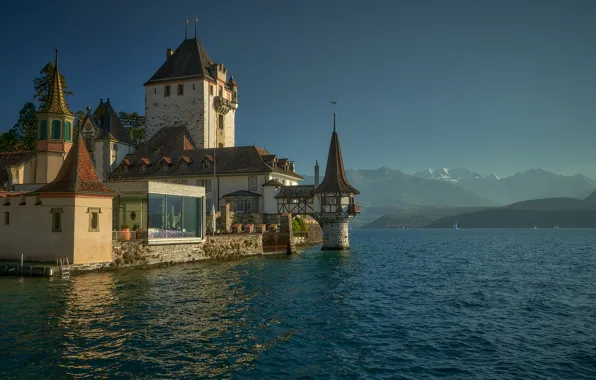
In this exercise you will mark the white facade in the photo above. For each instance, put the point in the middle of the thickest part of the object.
(192, 103)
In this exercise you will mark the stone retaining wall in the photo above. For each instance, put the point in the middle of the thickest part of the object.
(222, 247)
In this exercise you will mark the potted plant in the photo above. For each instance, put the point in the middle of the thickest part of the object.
(137, 230)
(124, 232)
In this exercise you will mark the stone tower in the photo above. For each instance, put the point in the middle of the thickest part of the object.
(190, 90)
(54, 137)
(336, 198)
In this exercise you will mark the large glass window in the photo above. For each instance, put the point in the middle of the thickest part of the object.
(190, 215)
(67, 131)
(173, 216)
(43, 130)
(55, 130)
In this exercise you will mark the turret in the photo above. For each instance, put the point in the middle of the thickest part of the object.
(54, 138)
(337, 204)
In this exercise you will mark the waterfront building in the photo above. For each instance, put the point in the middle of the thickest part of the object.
(70, 217)
(331, 203)
(190, 107)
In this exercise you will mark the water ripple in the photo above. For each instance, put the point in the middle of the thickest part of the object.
(399, 305)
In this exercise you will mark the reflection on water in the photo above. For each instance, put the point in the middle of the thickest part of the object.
(416, 304)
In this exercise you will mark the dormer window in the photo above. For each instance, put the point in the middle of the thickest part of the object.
(125, 168)
(182, 166)
(164, 167)
(143, 168)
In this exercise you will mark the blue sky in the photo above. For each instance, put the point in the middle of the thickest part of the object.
(493, 86)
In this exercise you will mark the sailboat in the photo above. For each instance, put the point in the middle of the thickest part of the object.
(455, 227)
(535, 227)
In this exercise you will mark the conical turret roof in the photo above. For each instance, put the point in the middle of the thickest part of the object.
(56, 103)
(335, 180)
(77, 174)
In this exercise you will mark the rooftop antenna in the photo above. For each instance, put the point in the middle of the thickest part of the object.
(334, 113)
(196, 20)
(186, 27)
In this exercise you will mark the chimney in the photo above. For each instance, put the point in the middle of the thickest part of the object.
(316, 174)
(169, 53)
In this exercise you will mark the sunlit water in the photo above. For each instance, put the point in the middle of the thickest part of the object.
(485, 304)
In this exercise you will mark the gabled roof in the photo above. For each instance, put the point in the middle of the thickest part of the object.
(300, 191)
(189, 60)
(77, 174)
(8, 159)
(56, 103)
(273, 182)
(335, 180)
(242, 193)
(110, 124)
(175, 142)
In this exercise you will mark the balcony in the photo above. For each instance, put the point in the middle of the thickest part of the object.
(222, 105)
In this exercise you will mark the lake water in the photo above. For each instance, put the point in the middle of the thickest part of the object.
(418, 304)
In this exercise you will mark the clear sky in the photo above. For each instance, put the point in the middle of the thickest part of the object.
(494, 86)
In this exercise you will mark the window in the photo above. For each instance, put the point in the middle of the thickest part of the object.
(210, 90)
(166, 91)
(143, 168)
(155, 91)
(94, 219)
(247, 205)
(220, 91)
(209, 204)
(173, 216)
(330, 200)
(43, 130)
(88, 145)
(239, 206)
(164, 167)
(180, 89)
(221, 145)
(252, 183)
(182, 166)
(56, 219)
(55, 130)
(221, 121)
(206, 183)
(125, 168)
(67, 131)
(193, 86)
(6, 218)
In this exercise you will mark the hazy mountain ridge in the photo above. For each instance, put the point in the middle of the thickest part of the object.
(521, 186)
(462, 187)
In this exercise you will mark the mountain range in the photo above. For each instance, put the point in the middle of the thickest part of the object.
(461, 187)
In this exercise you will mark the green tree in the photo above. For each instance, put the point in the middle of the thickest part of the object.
(26, 128)
(299, 225)
(8, 141)
(135, 124)
(41, 85)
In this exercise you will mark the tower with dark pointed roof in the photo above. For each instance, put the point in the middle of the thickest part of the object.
(54, 138)
(191, 90)
(336, 198)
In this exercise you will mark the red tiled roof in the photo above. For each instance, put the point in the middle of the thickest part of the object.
(77, 174)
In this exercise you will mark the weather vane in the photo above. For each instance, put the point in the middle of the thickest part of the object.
(334, 103)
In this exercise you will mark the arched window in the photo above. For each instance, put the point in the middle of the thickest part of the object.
(43, 130)
(239, 205)
(247, 205)
(55, 130)
(67, 131)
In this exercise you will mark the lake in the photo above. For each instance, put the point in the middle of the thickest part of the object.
(401, 304)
